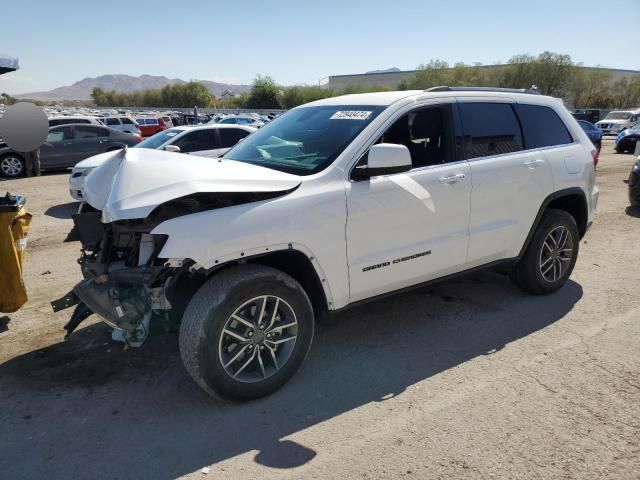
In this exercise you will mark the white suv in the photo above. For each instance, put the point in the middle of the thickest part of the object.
(336, 202)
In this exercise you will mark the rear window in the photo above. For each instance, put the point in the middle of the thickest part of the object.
(542, 126)
(490, 129)
(67, 121)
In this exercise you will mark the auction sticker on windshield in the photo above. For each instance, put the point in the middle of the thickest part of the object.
(351, 115)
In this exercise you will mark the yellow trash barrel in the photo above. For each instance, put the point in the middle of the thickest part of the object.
(14, 226)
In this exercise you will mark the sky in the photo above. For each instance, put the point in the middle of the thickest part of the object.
(297, 42)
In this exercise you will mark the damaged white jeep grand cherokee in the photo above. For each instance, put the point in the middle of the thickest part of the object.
(336, 202)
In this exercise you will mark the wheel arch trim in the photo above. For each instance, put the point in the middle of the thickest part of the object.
(253, 254)
(564, 193)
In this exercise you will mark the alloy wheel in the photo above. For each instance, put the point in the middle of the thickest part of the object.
(556, 254)
(258, 339)
(11, 166)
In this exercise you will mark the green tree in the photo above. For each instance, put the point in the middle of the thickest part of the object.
(264, 93)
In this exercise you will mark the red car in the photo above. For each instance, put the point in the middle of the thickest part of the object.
(151, 125)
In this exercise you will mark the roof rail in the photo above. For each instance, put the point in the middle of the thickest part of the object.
(533, 90)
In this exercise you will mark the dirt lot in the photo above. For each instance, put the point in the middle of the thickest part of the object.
(467, 379)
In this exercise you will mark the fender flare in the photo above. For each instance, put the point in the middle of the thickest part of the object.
(257, 252)
(553, 196)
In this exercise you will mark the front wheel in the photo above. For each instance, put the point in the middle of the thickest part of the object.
(246, 332)
(12, 165)
(551, 255)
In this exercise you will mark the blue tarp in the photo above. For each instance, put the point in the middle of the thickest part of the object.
(8, 64)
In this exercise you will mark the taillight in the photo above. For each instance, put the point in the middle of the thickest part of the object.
(138, 137)
(595, 154)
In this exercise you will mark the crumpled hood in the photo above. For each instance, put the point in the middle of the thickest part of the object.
(129, 184)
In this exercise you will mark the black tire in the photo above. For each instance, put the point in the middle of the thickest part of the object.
(210, 309)
(634, 190)
(528, 273)
(12, 165)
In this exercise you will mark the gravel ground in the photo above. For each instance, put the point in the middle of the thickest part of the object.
(467, 379)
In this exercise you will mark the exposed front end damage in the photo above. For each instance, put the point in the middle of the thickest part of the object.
(125, 283)
(130, 193)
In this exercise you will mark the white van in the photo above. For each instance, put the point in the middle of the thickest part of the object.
(618, 120)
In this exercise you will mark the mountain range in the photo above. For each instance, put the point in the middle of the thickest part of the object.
(81, 90)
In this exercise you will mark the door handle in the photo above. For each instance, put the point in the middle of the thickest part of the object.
(66, 144)
(533, 163)
(103, 141)
(452, 178)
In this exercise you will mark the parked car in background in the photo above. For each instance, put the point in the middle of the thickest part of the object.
(66, 145)
(634, 184)
(151, 125)
(123, 123)
(593, 132)
(626, 140)
(55, 121)
(248, 120)
(167, 121)
(203, 141)
(618, 120)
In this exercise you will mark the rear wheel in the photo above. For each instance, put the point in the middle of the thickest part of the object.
(551, 255)
(246, 332)
(12, 165)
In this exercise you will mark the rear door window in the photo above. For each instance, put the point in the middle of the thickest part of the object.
(85, 132)
(230, 136)
(112, 121)
(542, 126)
(490, 129)
(126, 121)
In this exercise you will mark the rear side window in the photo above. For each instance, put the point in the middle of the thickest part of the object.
(112, 121)
(126, 121)
(230, 136)
(67, 121)
(490, 129)
(542, 126)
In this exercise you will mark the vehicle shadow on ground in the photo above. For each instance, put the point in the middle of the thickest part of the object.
(87, 409)
(62, 211)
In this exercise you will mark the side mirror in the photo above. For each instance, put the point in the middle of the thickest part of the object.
(385, 159)
(172, 148)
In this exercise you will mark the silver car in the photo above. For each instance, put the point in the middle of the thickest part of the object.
(124, 123)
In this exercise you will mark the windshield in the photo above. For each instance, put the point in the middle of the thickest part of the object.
(618, 116)
(304, 140)
(158, 139)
